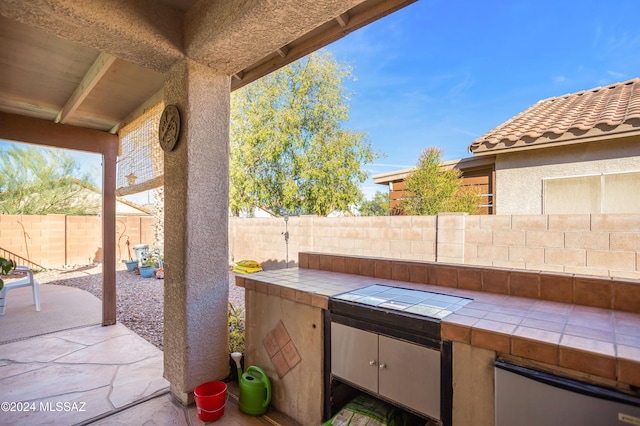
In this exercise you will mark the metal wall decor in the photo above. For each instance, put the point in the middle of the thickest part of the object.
(169, 130)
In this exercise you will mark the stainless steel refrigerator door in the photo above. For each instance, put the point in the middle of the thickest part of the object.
(523, 401)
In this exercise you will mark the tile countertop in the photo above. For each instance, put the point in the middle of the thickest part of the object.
(596, 341)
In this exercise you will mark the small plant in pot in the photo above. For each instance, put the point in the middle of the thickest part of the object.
(147, 268)
(236, 338)
(6, 266)
(131, 264)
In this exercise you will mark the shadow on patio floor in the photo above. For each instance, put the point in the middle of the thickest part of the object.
(59, 366)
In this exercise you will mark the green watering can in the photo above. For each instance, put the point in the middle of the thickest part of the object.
(255, 389)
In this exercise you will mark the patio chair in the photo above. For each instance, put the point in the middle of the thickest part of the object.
(29, 280)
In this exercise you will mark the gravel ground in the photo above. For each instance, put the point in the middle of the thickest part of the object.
(139, 301)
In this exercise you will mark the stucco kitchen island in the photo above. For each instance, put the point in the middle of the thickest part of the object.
(580, 327)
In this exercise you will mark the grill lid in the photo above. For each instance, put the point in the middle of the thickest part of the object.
(417, 302)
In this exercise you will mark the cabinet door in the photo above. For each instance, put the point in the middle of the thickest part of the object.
(410, 375)
(354, 356)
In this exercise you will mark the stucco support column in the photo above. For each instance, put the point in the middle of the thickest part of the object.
(196, 179)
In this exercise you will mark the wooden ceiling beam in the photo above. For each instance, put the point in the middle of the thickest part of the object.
(343, 19)
(283, 51)
(91, 78)
(19, 128)
(355, 18)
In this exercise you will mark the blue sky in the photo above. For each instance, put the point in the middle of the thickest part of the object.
(442, 73)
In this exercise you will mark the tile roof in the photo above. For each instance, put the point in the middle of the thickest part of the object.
(612, 109)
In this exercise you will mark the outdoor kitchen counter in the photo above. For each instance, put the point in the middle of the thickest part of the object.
(598, 342)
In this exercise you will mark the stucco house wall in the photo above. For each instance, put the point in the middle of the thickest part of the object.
(519, 175)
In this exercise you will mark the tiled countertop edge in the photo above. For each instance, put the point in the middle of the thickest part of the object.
(597, 341)
(284, 292)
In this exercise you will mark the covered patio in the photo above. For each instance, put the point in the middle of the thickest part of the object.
(60, 366)
(73, 73)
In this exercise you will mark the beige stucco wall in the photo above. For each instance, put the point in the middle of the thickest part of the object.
(299, 393)
(519, 175)
(473, 390)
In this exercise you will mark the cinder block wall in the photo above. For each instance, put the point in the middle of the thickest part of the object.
(399, 237)
(600, 245)
(54, 241)
(603, 245)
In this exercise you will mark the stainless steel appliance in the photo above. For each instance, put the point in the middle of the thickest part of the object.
(528, 397)
(386, 341)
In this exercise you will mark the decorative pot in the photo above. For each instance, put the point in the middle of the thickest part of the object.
(147, 271)
(131, 265)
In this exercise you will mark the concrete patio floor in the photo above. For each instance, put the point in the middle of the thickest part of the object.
(86, 373)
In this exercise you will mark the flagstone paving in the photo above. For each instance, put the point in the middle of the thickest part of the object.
(75, 375)
(89, 374)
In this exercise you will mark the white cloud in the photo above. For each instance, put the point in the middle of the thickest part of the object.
(617, 75)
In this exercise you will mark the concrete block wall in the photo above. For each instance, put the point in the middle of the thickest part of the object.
(598, 245)
(33, 237)
(54, 241)
(83, 240)
(601, 245)
(398, 237)
(262, 240)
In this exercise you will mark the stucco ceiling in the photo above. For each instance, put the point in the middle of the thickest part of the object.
(98, 63)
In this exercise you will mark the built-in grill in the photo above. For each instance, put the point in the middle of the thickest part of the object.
(386, 341)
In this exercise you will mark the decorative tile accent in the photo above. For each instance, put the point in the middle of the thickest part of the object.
(291, 354)
(283, 353)
(280, 364)
(281, 335)
(271, 345)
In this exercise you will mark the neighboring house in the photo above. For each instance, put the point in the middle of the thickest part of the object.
(474, 171)
(573, 154)
(85, 191)
(123, 207)
(578, 153)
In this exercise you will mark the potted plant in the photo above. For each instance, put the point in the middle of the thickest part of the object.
(6, 266)
(236, 338)
(131, 264)
(147, 267)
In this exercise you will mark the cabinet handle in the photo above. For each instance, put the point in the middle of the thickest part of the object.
(383, 366)
(372, 362)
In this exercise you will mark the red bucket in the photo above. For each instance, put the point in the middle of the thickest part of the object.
(211, 398)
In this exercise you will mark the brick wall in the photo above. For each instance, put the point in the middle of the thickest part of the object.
(57, 240)
(600, 245)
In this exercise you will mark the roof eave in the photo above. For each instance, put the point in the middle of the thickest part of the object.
(597, 134)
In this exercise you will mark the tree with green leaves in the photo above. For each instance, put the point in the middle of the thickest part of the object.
(434, 189)
(39, 181)
(290, 150)
(377, 206)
